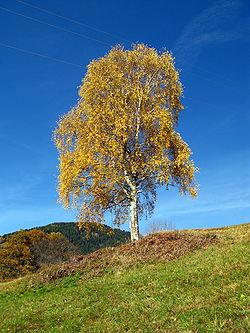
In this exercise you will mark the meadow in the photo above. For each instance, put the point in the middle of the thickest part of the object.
(204, 289)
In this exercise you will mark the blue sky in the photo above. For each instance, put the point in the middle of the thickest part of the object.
(210, 41)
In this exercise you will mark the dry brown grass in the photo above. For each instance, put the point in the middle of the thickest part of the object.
(163, 246)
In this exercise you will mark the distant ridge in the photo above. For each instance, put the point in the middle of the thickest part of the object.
(98, 237)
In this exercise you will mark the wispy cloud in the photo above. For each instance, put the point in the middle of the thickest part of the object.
(209, 202)
(19, 144)
(18, 192)
(224, 188)
(217, 24)
(213, 206)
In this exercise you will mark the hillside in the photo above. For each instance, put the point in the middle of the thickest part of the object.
(190, 281)
(98, 237)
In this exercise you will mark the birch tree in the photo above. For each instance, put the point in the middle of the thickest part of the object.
(120, 142)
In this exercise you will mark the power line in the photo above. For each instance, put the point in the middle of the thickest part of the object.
(83, 36)
(39, 55)
(213, 73)
(71, 20)
(94, 39)
(68, 63)
(214, 81)
(53, 26)
(75, 65)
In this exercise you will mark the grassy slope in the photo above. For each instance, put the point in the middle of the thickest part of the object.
(205, 291)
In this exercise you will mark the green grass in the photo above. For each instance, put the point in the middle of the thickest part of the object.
(205, 291)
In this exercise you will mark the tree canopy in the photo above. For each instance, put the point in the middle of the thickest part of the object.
(119, 143)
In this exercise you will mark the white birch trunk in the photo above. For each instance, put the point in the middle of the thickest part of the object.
(134, 223)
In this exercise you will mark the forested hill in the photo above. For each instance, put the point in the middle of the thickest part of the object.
(90, 238)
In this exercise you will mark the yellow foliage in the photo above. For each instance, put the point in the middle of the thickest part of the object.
(122, 135)
(26, 250)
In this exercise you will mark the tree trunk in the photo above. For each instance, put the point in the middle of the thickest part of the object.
(134, 223)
